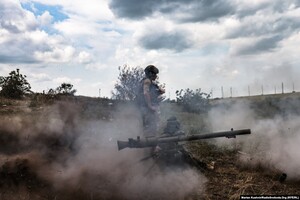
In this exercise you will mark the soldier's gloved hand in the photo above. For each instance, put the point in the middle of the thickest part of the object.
(162, 90)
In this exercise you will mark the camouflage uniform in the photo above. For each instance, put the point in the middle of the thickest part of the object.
(149, 102)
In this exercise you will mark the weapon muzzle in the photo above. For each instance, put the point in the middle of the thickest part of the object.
(122, 145)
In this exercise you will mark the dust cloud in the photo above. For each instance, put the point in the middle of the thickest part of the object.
(275, 126)
(71, 153)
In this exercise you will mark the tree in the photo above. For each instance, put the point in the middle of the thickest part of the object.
(15, 85)
(127, 86)
(193, 101)
(66, 89)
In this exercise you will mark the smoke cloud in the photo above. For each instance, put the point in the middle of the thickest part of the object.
(274, 142)
(72, 153)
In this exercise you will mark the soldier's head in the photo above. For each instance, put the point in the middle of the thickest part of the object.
(151, 72)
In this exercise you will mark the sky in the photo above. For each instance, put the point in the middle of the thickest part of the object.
(245, 47)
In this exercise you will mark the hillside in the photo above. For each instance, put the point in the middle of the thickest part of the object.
(66, 149)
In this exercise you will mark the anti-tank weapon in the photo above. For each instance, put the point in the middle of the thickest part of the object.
(154, 141)
(166, 149)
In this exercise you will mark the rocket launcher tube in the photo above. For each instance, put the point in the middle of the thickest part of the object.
(153, 141)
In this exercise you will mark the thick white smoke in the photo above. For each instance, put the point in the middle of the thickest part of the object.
(76, 153)
(275, 138)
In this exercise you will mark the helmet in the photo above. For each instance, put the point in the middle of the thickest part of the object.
(151, 70)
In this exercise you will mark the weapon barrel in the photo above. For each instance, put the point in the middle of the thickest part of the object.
(150, 142)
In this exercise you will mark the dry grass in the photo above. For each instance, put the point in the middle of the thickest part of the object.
(227, 177)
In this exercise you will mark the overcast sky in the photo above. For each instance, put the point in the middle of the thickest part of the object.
(205, 44)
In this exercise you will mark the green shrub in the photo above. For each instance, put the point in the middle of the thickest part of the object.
(193, 101)
(15, 85)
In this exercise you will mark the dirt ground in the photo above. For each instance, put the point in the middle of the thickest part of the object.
(228, 178)
(25, 161)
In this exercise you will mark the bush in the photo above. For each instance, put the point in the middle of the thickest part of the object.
(193, 101)
(65, 89)
(129, 81)
(15, 85)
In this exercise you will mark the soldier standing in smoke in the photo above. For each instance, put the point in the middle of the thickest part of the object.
(149, 99)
